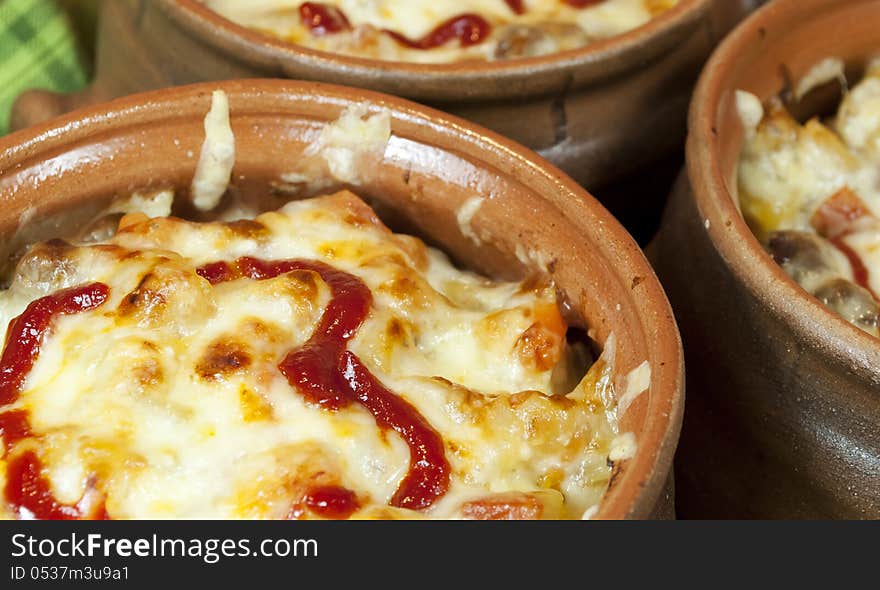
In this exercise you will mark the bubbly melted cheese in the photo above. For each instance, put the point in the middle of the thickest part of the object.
(820, 179)
(167, 401)
(544, 26)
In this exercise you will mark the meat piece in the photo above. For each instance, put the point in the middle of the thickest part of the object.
(520, 40)
(807, 258)
(841, 213)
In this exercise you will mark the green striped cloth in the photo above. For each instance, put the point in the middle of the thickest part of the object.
(38, 49)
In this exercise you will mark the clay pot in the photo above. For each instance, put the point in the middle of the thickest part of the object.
(783, 416)
(535, 217)
(597, 112)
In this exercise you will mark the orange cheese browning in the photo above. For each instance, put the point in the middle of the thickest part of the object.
(812, 192)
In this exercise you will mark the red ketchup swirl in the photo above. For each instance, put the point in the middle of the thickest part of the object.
(26, 332)
(322, 19)
(517, 6)
(27, 491)
(328, 375)
(469, 29)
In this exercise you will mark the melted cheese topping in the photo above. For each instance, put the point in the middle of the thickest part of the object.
(545, 26)
(822, 180)
(167, 401)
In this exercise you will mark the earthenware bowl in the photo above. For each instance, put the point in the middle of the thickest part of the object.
(783, 416)
(597, 112)
(533, 218)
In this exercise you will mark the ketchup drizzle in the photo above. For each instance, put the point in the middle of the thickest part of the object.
(469, 29)
(14, 426)
(27, 491)
(322, 19)
(327, 374)
(333, 502)
(216, 272)
(516, 6)
(30, 495)
(428, 475)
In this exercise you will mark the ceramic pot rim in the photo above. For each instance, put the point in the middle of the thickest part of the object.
(640, 485)
(456, 81)
(741, 251)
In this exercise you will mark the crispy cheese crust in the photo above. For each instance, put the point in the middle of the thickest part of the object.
(166, 401)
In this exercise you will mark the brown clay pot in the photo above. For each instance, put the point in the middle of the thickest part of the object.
(783, 416)
(597, 112)
(52, 174)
